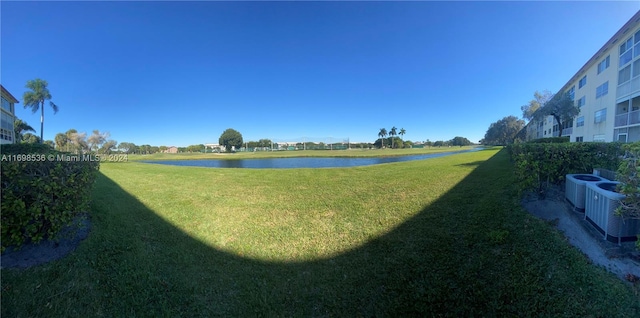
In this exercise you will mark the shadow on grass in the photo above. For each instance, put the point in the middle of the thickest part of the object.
(471, 164)
(451, 259)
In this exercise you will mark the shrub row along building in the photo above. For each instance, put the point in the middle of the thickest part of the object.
(607, 91)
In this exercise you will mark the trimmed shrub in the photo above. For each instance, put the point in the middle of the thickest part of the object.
(539, 165)
(43, 190)
(629, 175)
(551, 140)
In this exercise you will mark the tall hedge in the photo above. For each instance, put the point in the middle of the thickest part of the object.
(539, 165)
(42, 191)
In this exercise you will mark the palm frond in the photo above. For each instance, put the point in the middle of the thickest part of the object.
(54, 107)
(31, 101)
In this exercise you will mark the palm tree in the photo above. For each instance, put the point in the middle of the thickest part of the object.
(393, 133)
(401, 133)
(35, 98)
(382, 134)
(20, 127)
(61, 142)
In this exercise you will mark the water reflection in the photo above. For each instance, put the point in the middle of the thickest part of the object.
(301, 162)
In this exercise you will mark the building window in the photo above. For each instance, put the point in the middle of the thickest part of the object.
(603, 65)
(629, 50)
(6, 127)
(572, 92)
(622, 138)
(624, 75)
(636, 48)
(602, 89)
(6, 105)
(579, 139)
(600, 116)
(580, 121)
(583, 81)
(626, 52)
(6, 134)
(581, 101)
(598, 138)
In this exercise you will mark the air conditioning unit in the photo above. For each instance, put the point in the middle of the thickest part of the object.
(575, 187)
(600, 206)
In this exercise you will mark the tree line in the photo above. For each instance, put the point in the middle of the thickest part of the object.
(99, 142)
(510, 129)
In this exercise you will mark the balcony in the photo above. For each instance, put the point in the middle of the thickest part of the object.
(628, 87)
(626, 119)
(567, 131)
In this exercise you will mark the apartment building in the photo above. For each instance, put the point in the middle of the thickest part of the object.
(607, 91)
(7, 117)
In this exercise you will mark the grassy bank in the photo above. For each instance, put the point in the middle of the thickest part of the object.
(439, 236)
(296, 153)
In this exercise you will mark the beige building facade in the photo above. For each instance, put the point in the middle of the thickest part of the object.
(607, 91)
(7, 117)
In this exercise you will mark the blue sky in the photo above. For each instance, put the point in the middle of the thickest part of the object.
(171, 73)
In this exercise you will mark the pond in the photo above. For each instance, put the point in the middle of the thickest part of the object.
(302, 162)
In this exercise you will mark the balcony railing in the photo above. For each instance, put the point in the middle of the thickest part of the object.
(567, 131)
(628, 87)
(630, 118)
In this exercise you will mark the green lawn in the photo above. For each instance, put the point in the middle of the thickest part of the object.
(443, 236)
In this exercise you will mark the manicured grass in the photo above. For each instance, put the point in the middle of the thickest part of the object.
(443, 236)
(296, 153)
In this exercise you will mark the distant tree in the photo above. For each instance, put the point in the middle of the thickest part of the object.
(195, 148)
(35, 99)
(504, 131)
(49, 143)
(127, 147)
(408, 144)
(428, 143)
(61, 142)
(97, 139)
(438, 143)
(108, 146)
(20, 127)
(76, 141)
(230, 138)
(162, 148)
(562, 108)
(393, 132)
(395, 141)
(402, 132)
(382, 134)
(460, 141)
(266, 143)
(30, 138)
(530, 110)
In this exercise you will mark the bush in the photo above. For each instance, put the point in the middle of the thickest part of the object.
(42, 193)
(551, 140)
(538, 165)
